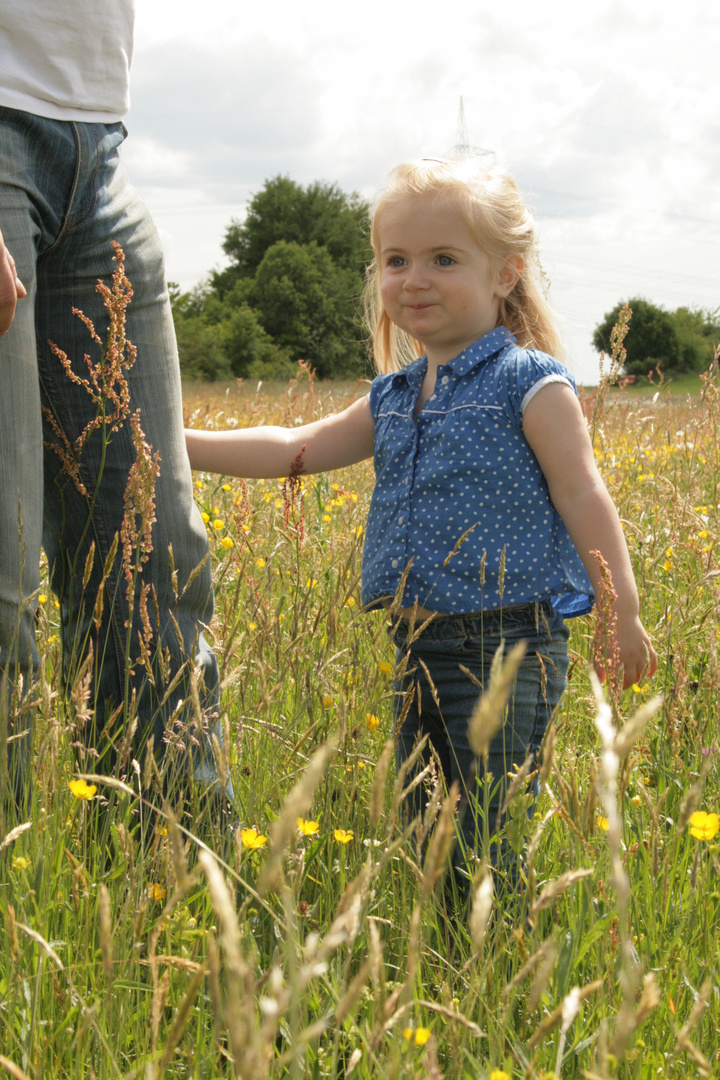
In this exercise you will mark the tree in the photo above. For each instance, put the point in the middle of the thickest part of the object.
(651, 339)
(309, 305)
(680, 341)
(284, 210)
(292, 291)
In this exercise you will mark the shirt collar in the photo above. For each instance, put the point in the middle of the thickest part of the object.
(474, 354)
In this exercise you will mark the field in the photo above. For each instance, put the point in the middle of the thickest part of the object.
(321, 944)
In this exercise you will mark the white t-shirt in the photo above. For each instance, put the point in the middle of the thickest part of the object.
(67, 59)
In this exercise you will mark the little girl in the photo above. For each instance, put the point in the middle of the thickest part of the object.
(477, 434)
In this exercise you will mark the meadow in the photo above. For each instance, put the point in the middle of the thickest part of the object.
(319, 941)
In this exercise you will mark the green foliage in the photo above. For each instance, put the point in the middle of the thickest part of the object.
(292, 290)
(679, 341)
(284, 210)
(309, 305)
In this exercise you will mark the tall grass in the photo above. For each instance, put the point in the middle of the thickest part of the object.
(320, 941)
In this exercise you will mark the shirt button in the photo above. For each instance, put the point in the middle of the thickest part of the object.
(394, 564)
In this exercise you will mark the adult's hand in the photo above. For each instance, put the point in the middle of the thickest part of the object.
(11, 288)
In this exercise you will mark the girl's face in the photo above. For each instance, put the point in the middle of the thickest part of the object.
(436, 283)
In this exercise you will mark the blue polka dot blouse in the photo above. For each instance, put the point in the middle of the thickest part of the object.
(465, 469)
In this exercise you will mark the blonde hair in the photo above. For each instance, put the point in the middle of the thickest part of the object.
(502, 226)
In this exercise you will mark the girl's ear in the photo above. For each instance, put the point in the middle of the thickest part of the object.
(509, 274)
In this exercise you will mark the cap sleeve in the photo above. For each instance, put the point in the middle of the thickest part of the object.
(522, 374)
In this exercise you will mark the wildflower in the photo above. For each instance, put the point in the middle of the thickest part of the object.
(703, 826)
(636, 800)
(245, 528)
(252, 626)
(226, 487)
(252, 839)
(372, 721)
(20, 862)
(311, 583)
(499, 1074)
(42, 598)
(156, 892)
(328, 701)
(218, 524)
(199, 485)
(227, 542)
(81, 790)
(326, 517)
(350, 602)
(308, 828)
(205, 517)
(602, 822)
(260, 563)
(343, 836)
(417, 1035)
(385, 667)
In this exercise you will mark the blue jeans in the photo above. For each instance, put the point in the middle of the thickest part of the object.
(64, 197)
(471, 641)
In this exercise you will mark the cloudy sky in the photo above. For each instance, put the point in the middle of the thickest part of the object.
(607, 113)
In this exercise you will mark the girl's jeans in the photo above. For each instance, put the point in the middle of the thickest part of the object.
(64, 197)
(471, 641)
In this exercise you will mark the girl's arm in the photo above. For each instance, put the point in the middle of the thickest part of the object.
(555, 428)
(266, 452)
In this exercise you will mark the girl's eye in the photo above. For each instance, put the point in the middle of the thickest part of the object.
(396, 260)
(445, 260)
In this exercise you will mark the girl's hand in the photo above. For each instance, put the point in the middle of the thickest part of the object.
(636, 654)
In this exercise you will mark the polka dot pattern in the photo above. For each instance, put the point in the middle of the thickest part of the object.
(465, 469)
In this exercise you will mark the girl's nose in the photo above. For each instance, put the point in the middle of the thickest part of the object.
(416, 277)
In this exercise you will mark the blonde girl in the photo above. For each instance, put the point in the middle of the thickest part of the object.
(476, 433)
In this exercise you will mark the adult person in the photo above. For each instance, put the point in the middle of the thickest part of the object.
(64, 200)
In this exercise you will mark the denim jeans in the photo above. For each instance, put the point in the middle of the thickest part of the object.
(64, 197)
(471, 641)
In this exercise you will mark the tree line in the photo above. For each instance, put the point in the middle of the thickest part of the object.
(292, 290)
(293, 287)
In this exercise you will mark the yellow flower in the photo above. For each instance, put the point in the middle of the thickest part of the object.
(227, 542)
(326, 517)
(252, 626)
(205, 517)
(350, 602)
(308, 828)
(311, 583)
(703, 826)
(636, 800)
(343, 836)
(156, 892)
(417, 1035)
(260, 563)
(372, 721)
(218, 524)
(385, 667)
(226, 487)
(81, 790)
(251, 838)
(42, 598)
(499, 1074)
(245, 528)
(328, 701)
(20, 862)
(602, 822)
(199, 485)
